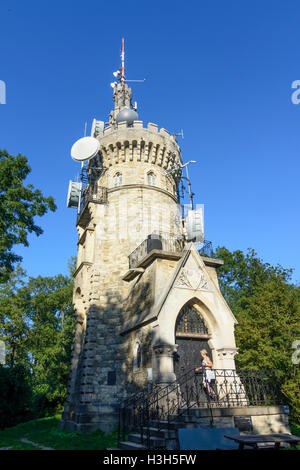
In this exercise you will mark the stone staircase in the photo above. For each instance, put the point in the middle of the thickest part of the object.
(160, 437)
(164, 435)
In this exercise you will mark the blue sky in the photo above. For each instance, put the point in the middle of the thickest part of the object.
(220, 70)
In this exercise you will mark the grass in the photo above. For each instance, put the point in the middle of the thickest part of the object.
(295, 429)
(45, 432)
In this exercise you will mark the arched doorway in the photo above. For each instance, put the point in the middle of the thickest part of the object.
(191, 335)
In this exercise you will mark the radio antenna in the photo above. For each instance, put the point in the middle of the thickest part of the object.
(120, 74)
(176, 134)
(123, 63)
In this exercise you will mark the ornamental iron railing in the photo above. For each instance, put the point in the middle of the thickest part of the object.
(218, 388)
(166, 242)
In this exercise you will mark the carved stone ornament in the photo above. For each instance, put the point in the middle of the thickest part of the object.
(165, 349)
(194, 279)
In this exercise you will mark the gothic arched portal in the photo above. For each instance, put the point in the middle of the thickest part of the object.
(191, 335)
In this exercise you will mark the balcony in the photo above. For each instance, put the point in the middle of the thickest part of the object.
(156, 241)
(91, 193)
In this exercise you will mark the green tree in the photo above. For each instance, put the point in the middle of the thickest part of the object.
(37, 323)
(267, 307)
(49, 340)
(14, 324)
(15, 396)
(19, 204)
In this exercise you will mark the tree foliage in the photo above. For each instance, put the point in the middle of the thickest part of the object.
(15, 396)
(19, 204)
(267, 307)
(36, 324)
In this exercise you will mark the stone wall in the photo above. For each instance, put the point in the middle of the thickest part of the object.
(248, 419)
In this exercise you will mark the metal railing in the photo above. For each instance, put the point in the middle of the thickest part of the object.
(92, 193)
(194, 390)
(206, 249)
(156, 241)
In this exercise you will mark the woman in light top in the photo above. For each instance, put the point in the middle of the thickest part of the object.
(206, 362)
(206, 365)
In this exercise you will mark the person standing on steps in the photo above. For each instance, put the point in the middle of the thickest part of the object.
(208, 374)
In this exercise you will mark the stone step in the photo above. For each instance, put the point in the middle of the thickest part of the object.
(160, 432)
(155, 442)
(164, 424)
(128, 445)
(181, 420)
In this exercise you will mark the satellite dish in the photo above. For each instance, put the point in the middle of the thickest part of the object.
(85, 148)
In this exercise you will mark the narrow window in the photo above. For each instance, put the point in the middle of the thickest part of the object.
(111, 377)
(137, 356)
(151, 179)
(118, 179)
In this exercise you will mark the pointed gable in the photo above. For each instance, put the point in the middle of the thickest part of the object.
(190, 274)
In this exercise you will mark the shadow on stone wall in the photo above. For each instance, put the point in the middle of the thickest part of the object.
(102, 372)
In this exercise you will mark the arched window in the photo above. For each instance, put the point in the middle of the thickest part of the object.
(78, 293)
(190, 321)
(151, 179)
(118, 179)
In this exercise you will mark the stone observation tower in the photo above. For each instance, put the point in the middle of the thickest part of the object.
(146, 301)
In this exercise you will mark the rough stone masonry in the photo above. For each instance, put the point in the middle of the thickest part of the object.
(136, 274)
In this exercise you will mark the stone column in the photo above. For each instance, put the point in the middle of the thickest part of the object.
(163, 363)
(226, 358)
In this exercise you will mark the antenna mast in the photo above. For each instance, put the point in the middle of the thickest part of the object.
(123, 63)
(120, 74)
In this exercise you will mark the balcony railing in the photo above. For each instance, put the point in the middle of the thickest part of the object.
(91, 193)
(206, 249)
(156, 241)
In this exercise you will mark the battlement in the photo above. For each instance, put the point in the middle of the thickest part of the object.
(120, 143)
(138, 125)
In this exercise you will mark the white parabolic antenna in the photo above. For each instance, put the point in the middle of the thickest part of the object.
(85, 148)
